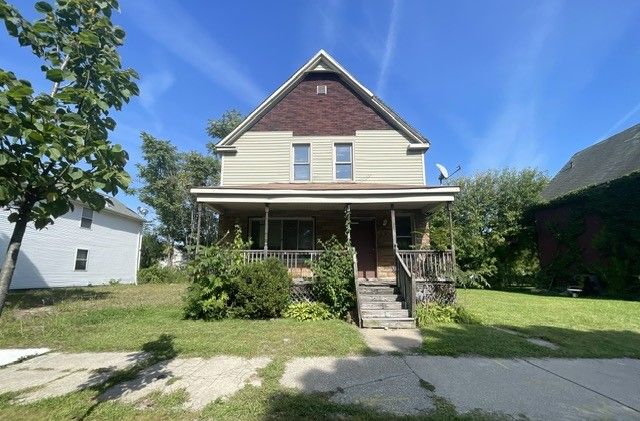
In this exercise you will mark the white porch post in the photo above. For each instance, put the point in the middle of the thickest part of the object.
(393, 228)
(453, 248)
(266, 229)
(347, 212)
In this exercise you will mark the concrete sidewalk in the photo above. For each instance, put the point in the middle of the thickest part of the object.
(548, 389)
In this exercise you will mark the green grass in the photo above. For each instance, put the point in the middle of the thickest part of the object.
(581, 327)
(128, 318)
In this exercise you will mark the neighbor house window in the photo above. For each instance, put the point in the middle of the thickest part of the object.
(284, 234)
(81, 259)
(404, 238)
(301, 162)
(87, 218)
(344, 161)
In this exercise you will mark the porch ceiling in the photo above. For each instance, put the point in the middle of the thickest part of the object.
(300, 198)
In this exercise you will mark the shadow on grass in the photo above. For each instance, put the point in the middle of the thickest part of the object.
(33, 298)
(497, 341)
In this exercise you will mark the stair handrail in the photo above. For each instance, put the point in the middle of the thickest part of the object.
(411, 299)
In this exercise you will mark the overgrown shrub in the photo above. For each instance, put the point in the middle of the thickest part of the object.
(214, 273)
(262, 290)
(308, 311)
(437, 313)
(334, 284)
(162, 275)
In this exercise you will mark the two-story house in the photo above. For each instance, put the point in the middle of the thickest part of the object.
(321, 148)
(81, 248)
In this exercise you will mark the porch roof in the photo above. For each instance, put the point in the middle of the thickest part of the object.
(316, 196)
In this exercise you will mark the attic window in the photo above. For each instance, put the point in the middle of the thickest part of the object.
(321, 89)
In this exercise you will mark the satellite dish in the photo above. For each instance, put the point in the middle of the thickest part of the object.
(143, 211)
(444, 174)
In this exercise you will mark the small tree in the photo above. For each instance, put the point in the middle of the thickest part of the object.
(220, 128)
(334, 284)
(54, 146)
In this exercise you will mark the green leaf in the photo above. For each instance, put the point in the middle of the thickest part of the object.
(54, 153)
(123, 179)
(76, 174)
(55, 75)
(20, 91)
(43, 7)
(89, 38)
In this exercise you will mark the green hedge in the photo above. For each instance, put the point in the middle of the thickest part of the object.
(162, 275)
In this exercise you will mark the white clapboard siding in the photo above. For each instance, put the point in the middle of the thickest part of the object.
(47, 257)
(380, 156)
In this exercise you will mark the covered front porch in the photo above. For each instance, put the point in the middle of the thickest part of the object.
(386, 226)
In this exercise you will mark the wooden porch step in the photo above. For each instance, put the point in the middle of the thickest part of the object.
(390, 323)
(379, 314)
(382, 305)
(377, 298)
(377, 290)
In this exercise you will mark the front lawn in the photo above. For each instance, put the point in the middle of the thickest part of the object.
(132, 318)
(581, 327)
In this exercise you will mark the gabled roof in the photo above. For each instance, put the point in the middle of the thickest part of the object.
(323, 62)
(605, 161)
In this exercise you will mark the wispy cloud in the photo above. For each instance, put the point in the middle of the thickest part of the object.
(512, 138)
(389, 48)
(153, 86)
(624, 119)
(329, 12)
(171, 26)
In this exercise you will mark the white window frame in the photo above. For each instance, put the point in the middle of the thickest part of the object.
(86, 261)
(292, 171)
(335, 162)
(260, 219)
(90, 219)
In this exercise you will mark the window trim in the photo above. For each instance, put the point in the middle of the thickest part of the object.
(83, 218)
(86, 261)
(284, 218)
(335, 162)
(292, 160)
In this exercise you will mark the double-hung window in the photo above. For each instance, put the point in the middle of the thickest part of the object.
(301, 162)
(404, 235)
(82, 255)
(284, 233)
(344, 161)
(87, 218)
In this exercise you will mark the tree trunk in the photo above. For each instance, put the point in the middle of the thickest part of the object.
(11, 257)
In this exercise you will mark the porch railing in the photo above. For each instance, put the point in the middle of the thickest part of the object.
(298, 262)
(429, 265)
(406, 284)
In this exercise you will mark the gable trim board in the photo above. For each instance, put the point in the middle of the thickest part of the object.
(322, 61)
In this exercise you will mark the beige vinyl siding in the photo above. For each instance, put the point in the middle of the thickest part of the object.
(379, 156)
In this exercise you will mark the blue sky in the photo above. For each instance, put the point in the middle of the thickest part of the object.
(490, 83)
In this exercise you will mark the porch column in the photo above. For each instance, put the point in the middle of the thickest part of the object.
(453, 248)
(347, 222)
(266, 229)
(199, 226)
(393, 228)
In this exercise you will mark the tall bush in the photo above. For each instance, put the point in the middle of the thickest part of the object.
(214, 273)
(262, 291)
(334, 284)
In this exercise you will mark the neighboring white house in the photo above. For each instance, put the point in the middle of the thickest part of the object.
(82, 247)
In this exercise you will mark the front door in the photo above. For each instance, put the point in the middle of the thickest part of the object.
(363, 237)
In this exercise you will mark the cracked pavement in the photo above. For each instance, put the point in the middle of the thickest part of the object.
(534, 388)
